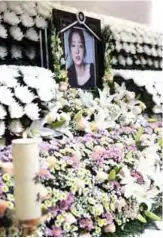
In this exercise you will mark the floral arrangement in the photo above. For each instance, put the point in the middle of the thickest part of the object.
(93, 184)
(104, 169)
(149, 82)
(135, 48)
(26, 95)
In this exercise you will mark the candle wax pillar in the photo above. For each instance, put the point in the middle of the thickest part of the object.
(25, 154)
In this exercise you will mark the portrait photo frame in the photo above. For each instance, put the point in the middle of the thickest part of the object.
(89, 29)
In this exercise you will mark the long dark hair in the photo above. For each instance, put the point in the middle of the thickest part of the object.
(81, 34)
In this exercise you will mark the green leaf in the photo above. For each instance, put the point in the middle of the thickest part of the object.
(152, 216)
(57, 124)
(116, 169)
(150, 120)
(141, 218)
(160, 142)
(139, 134)
(129, 155)
(78, 116)
(112, 175)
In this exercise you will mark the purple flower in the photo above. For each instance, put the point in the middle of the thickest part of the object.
(86, 223)
(55, 232)
(131, 147)
(108, 217)
(66, 204)
(116, 186)
(53, 211)
(74, 161)
(114, 153)
(126, 130)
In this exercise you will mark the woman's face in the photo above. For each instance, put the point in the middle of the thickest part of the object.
(77, 49)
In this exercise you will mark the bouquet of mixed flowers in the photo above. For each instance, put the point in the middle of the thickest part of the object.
(92, 184)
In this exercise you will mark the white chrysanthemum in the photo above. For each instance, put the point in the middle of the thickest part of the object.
(3, 52)
(2, 128)
(32, 111)
(121, 60)
(11, 18)
(16, 111)
(3, 31)
(156, 64)
(139, 48)
(3, 112)
(26, 20)
(143, 61)
(157, 109)
(139, 39)
(41, 22)
(129, 61)
(147, 50)
(160, 52)
(45, 95)
(132, 49)
(126, 47)
(23, 94)
(114, 60)
(31, 34)
(16, 127)
(16, 33)
(30, 53)
(31, 81)
(137, 62)
(156, 99)
(6, 96)
(30, 8)
(16, 52)
(150, 89)
(149, 62)
(8, 76)
(15, 6)
(43, 9)
(118, 46)
(3, 6)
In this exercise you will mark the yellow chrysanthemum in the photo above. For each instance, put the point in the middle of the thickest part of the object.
(49, 190)
(57, 223)
(48, 203)
(60, 218)
(9, 183)
(10, 205)
(10, 197)
(5, 189)
(93, 126)
(63, 196)
(6, 177)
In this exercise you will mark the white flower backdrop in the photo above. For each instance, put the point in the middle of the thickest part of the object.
(136, 48)
(152, 81)
(20, 25)
(25, 92)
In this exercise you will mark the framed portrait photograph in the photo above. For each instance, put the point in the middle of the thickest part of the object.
(81, 41)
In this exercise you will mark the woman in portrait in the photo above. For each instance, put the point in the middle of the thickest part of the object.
(80, 73)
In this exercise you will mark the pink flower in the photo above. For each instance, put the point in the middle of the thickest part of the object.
(86, 223)
(72, 160)
(98, 154)
(138, 176)
(57, 231)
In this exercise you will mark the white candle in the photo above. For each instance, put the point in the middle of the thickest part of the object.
(25, 154)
